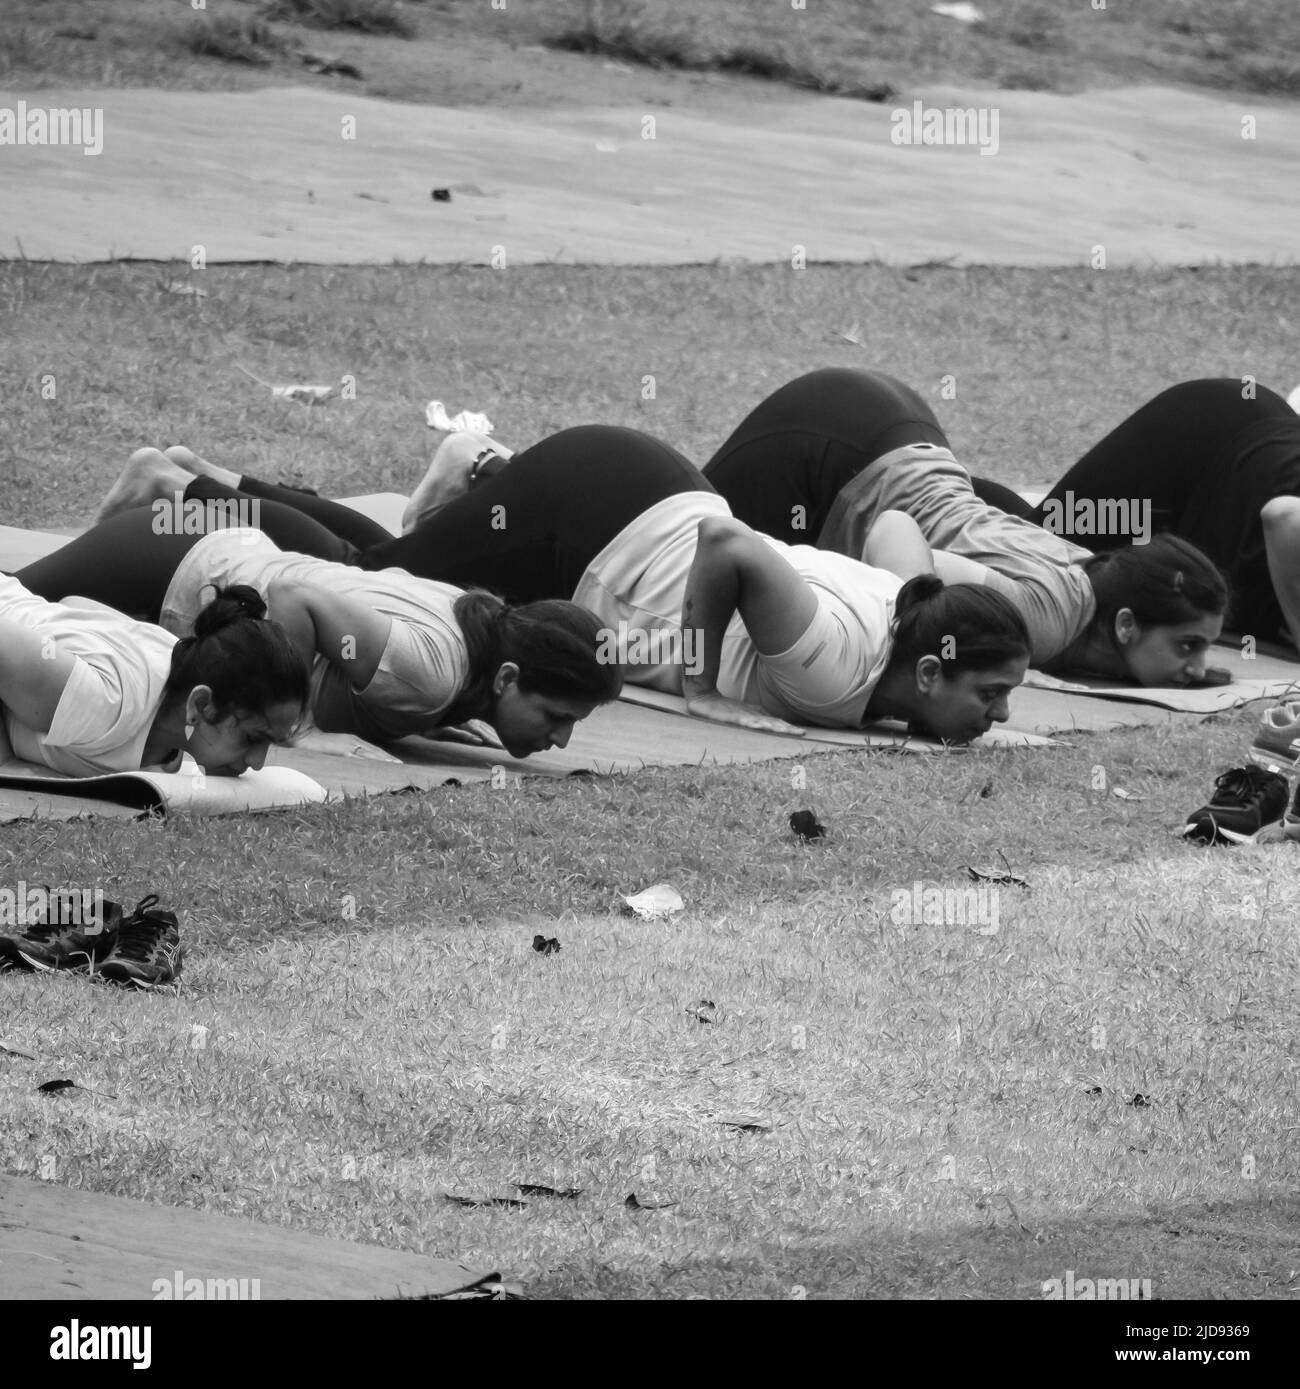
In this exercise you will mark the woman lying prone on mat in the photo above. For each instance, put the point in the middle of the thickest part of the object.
(390, 654)
(828, 454)
(628, 528)
(1216, 462)
(85, 689)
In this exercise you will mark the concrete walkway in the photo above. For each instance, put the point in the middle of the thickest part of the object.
(1157, 177)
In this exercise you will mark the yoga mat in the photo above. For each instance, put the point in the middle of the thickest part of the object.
(60, 1243)
(1157, 176)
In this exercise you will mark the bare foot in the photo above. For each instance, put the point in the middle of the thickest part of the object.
(147, 476)
(200, 467)
(447, 476)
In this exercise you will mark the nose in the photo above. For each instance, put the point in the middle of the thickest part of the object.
(1000, 709)
(1194, 670)
(561, 734)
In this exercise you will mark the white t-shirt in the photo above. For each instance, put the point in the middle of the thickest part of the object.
(424, 665)
(117, 685)
(825, 679)
(1038, 571)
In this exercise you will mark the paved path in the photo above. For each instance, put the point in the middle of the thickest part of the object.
(1155, 176)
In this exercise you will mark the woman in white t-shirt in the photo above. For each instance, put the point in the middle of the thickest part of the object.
(85, 689)
(826, 455)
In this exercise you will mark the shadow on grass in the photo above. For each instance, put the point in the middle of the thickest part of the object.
(1241, 1249)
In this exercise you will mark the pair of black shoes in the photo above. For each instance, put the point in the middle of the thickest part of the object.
(142, 949)
(1249, 806)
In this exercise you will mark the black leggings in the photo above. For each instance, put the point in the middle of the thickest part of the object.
(532, 530)
(1174, 449)
(529, 532)
(1208, 457)
(789, 457)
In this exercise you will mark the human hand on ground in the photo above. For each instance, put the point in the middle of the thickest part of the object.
(472, 731)
(718, 709)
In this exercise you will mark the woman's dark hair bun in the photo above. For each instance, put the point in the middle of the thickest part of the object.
(918, 589)
(230, 605)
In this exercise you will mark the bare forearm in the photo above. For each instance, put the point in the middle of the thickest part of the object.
(712, 595)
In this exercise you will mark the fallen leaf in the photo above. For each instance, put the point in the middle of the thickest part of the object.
(633, 1204)
(51, 1086)
(1123, 794)
(330, 67)
(704, 1011)
(568, 1193)
(994, 875)
(1139, 1102)
(16, 1051)
(659, 900)
(509, 1202)
(806, 825)
(186, 291)
(544, 946)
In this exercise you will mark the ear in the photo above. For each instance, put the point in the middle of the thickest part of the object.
(506, 676)
(199, 705)
(929, 672)
(1126, 627)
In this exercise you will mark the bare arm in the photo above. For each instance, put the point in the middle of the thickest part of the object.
(957, 569)
(895, 542)
(735, 570)
(348, 634)
(33, 674)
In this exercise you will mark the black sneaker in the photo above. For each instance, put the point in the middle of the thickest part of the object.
(1248, 803)
(146, 950)
(49, 945)
(1288, 828)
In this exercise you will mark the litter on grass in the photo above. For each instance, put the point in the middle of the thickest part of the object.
(963, 11)
(659, 900)
(304, 395)
(467, 421)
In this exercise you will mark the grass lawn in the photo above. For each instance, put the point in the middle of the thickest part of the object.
(932, 1110)
(1096, 1075)
(460, 52)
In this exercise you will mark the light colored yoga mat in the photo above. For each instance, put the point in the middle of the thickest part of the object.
(1155, 176)
(58, 1243)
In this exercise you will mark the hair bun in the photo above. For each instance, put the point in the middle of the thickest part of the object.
(231, 604)
(916, 590)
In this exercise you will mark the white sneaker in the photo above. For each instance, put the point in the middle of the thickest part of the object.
(448, 474)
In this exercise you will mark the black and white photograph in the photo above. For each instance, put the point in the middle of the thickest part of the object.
(649, 652)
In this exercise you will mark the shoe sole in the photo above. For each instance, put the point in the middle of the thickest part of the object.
(119, 974)
(1217, 834)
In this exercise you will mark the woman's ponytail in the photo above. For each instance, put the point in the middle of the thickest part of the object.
(248, 663)
(967, 626)
(556, 645)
